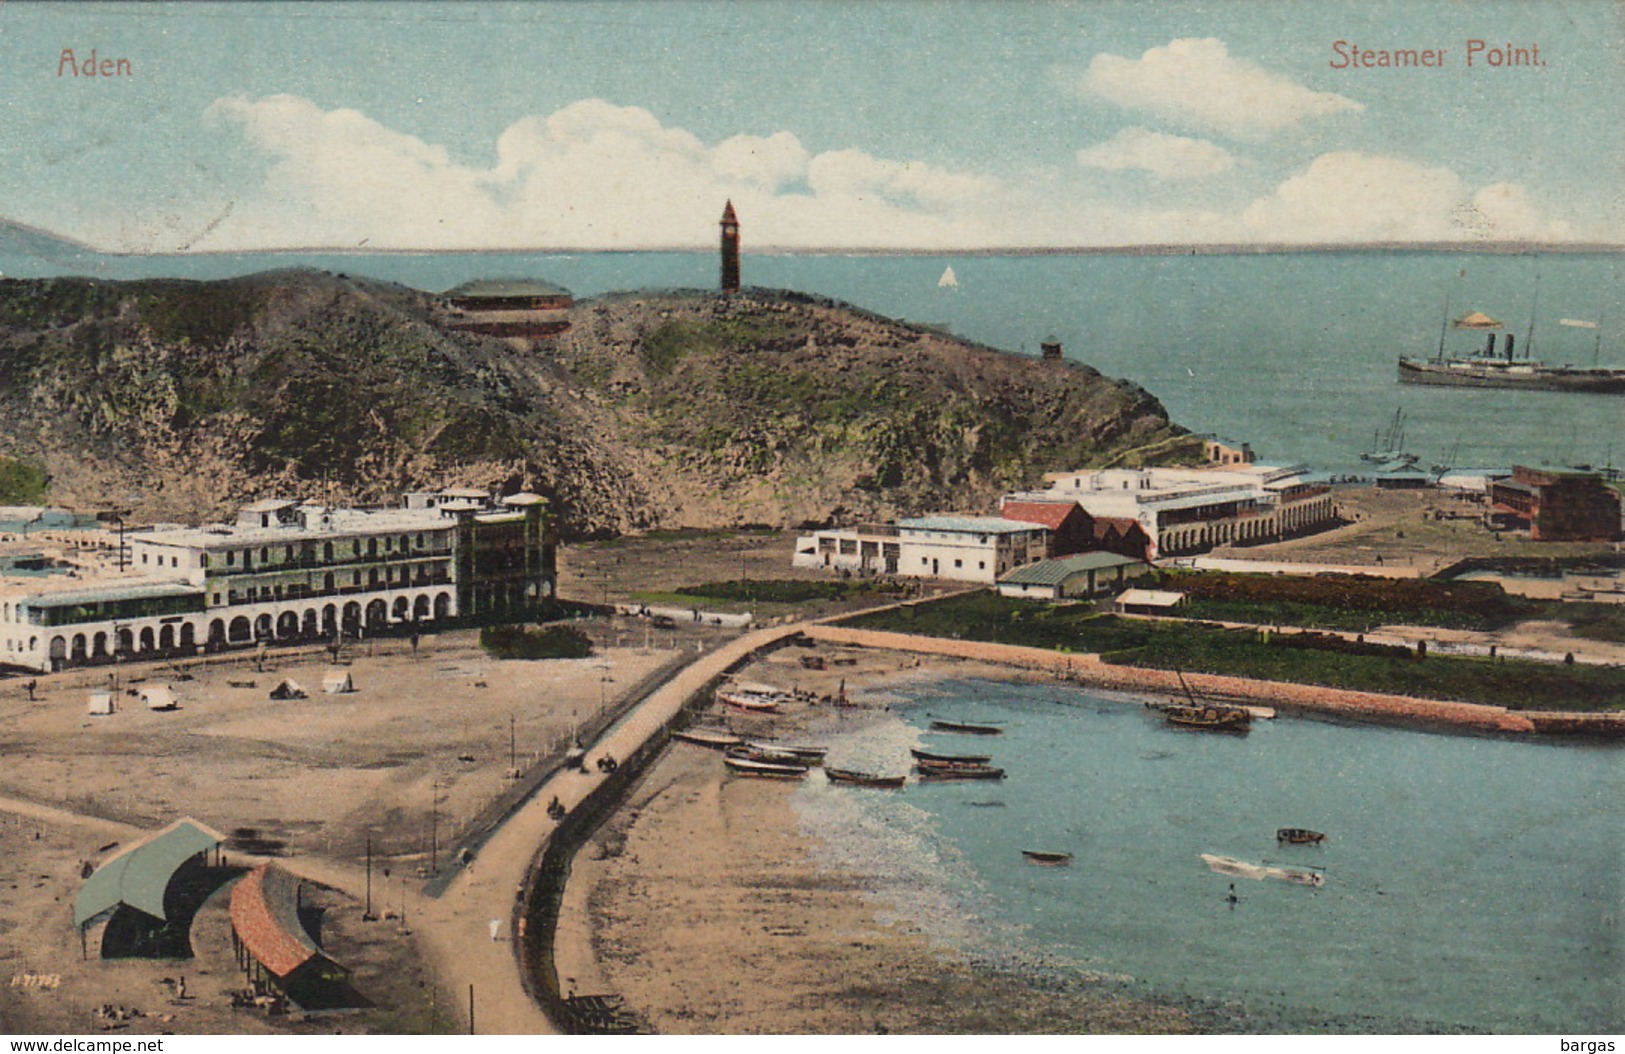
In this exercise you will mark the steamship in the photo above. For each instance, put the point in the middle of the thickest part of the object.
(1506, 370)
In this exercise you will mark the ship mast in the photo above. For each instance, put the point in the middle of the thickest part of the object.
(1444, 324)
(1529, 341)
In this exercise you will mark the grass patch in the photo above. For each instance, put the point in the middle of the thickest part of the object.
(1300, 659)
(1348, 602)
(1595, 621)
(523, 642)
(21, 483)
(787, 590)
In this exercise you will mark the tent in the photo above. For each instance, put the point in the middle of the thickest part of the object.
(101, 702)
(337, 681)
(159, 699)
(289, 689)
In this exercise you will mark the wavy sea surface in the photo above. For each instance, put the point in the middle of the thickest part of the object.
(1294, 353)
(1471, 884)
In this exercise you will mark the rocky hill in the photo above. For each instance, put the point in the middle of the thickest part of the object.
(181, 399)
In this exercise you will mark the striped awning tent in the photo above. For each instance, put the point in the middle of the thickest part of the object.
(139, 875)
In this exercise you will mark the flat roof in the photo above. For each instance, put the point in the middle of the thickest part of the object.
(1158, 598)
(338, 522)
(104, 593)
(498, 288)
(968, 524)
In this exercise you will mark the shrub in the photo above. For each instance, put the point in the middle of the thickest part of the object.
(523, 642)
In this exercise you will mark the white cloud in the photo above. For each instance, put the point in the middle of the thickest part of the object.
(1164, 156)
(591, 175)
(1350, 197)
(594, 175)
(1194, 83)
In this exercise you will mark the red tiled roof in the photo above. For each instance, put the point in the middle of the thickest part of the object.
(1123, 525)
(264, 912)
(1050, 514)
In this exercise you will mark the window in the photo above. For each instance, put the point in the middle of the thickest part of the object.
(981, 565)
(924, 561)
(143, 557)
(231, 558)
(174, 561)
(203, 560)
(959, 563)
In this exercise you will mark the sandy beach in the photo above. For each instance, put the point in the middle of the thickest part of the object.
(710, 911)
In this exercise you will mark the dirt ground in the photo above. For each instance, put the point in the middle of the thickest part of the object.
(1428, 529)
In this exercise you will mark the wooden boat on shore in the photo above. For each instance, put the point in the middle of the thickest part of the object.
(960, 772)
(708, 737)
(747, 752)
(745, 766)
(966, 729)
(811, 755)
(1298, 836)
(862, 779)
(952, 759)
(944, 765)
(1047, 859)
(749, 702)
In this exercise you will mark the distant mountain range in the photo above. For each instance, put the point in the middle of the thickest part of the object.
(27, 251)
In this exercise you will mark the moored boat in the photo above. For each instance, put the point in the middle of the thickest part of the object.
(748, 701)
(1211, 716)
(966, 728)
(747, 752)
(1048, 859)
(1298, 836)
(708, 737)
(1229, 865)
(862, 779)
(952, 759)
(745, 766)
(961, 772)
(1519, 373)
(811, 755)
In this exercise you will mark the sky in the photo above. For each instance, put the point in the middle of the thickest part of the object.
(905, 125)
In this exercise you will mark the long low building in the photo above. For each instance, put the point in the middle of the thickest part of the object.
(287, 571)
(958, 548)
(1194, 510)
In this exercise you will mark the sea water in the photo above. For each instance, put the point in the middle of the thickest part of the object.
(1471, 883)
(1293, 353)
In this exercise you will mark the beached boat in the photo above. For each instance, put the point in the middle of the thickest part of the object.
(749, 702)
(1048, 859)
(1298, 836)
(862, 779)
(708, 737)
(961, 772)
(772, 757)
(745, 766)
(811, 755)
(967, 729)
(1229, 865)
(945, 765)
(955, 759)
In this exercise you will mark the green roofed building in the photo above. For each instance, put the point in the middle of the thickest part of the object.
(138, 877)
(509, 307)
(1083, 575)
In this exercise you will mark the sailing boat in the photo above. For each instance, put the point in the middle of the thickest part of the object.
(948, 281)
(1389, 447)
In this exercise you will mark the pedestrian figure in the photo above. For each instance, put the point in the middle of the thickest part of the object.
(31, 685)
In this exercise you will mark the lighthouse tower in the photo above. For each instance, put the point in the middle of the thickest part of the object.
(730, 250)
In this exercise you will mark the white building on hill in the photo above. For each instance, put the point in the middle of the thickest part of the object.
(1194, 510)
(959, 548)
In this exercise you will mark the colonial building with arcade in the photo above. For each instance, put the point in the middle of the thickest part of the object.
(289, 571)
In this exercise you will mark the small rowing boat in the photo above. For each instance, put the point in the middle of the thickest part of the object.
(708, 737)
(1048, 859)
(765, 769)
(952, 759)
(772, 757)
(966, 729)
(812, 755)
(862, 779)
(749, 702)
(1298, 836)
(961, 772)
